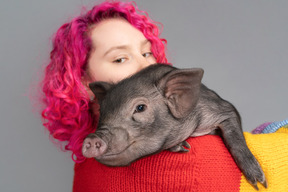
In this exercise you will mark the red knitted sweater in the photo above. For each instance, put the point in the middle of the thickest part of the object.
(207, 167)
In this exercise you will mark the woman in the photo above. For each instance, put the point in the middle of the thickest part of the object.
(108, 43)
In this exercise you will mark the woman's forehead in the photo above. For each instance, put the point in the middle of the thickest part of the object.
(115, 32)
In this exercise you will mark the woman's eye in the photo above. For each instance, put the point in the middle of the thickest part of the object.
(147, 54)
(140, 108)
(120, 60)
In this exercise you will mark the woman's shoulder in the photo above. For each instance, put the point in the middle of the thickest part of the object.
(207, 166)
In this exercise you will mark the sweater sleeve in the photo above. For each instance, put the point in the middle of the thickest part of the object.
(208, 166)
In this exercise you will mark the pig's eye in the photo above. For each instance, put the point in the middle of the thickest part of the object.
(140, 108)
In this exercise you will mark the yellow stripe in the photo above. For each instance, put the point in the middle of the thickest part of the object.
(271, 150)
(282, 130)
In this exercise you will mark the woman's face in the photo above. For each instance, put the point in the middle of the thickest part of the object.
(119, 50)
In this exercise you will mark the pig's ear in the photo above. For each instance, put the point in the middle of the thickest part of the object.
(100, 89)
(181, 88)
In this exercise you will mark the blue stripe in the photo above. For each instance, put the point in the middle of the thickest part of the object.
(273, 127)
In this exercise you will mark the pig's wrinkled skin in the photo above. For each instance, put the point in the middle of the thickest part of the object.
(157, 109)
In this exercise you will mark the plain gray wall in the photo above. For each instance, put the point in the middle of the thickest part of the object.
(242, 46)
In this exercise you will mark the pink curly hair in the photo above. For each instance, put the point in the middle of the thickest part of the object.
(67, 113)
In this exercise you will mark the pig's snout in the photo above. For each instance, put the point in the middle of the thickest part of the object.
(93, 147)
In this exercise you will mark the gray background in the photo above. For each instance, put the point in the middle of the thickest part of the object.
(242, 45)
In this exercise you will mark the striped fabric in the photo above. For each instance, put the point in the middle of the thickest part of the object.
(207, 167)
(271, 127)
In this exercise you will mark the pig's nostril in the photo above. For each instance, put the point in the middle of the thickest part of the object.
(97, 144)
(93, 147)
(88, 145)
(92, 144)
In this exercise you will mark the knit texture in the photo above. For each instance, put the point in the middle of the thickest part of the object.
(208, 166)
(270, 127)
(271, 150)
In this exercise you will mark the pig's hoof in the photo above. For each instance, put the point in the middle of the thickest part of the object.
(181, 147)
(264, 183)
(254, 181)
(254, 175)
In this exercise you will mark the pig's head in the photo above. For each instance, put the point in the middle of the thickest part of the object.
(143, 114)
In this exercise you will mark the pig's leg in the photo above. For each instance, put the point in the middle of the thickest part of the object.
(180, 147)
(235, 142)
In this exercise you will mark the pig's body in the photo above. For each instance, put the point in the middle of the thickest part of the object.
(157, 109)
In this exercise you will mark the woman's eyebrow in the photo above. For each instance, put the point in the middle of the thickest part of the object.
(115, 48)
(144, 42)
